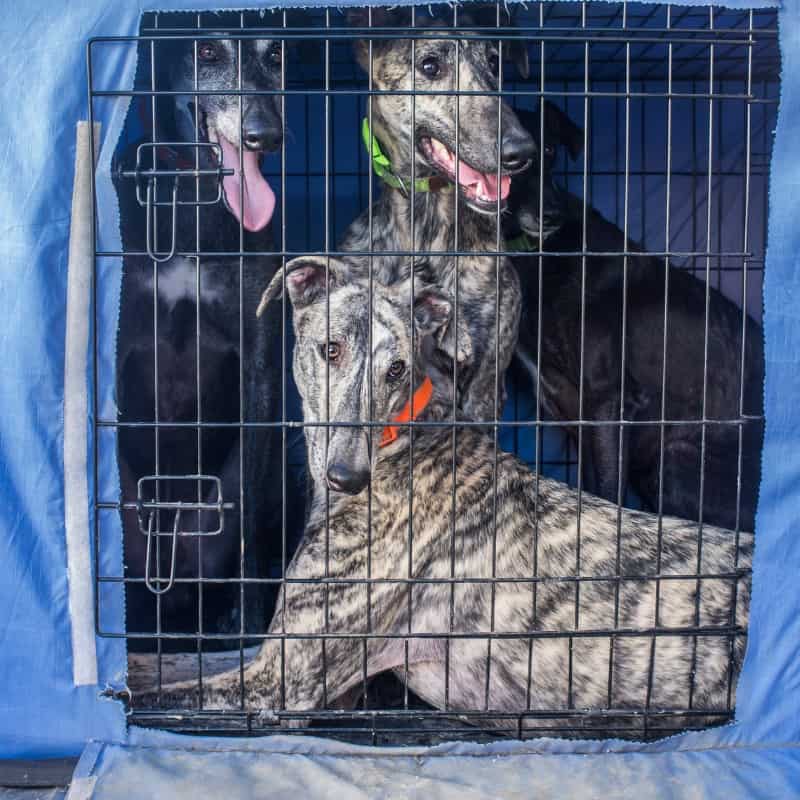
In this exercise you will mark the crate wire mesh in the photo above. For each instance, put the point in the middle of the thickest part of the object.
(677, 105)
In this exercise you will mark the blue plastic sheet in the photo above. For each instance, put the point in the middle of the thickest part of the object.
(41, 712)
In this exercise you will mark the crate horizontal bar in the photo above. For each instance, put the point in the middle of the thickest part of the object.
(543, 580)
(221, 92)
(443, 253)
(702, 36)
(722, 631)
(427, 424)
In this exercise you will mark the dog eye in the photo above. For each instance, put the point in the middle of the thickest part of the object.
(275, 53)
(431, 67)
(396, 369)
(494, 63)
(549, 150)
(330, 351)
(207, 51)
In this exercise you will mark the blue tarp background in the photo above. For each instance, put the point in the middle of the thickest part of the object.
(43, 91)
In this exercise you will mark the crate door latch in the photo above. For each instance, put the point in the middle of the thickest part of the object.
(180, 167)
(150, 509)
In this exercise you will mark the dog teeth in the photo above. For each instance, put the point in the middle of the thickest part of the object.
(440, 150)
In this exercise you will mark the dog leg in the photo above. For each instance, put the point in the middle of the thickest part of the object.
(601, 454)
(261, 447)
(294, 674)
(303, 671)
(609, 444)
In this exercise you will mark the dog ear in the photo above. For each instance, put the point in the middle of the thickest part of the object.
(432, 317)
(306, 51)
(376, 17)
(307, 278)
(485, 16)
(519, 57)
(561, 126)
(431, 311)
(518, 49)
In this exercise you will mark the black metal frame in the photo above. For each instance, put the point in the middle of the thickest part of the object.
(733, 41)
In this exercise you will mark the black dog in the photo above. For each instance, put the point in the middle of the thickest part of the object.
(558, 362)
(180, 361)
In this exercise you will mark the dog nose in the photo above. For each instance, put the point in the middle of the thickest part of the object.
(262, 137)
(517, 149)
(343, 479)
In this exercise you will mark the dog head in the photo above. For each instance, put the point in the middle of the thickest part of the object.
(244, 127)
(537, 188)
(428, 128)
(337, 350)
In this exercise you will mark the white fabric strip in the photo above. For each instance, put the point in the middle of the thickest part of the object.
(81, 789)
(76, 414)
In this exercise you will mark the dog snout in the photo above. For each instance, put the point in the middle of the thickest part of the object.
(517, 149)
(259, 135)
(342, 478)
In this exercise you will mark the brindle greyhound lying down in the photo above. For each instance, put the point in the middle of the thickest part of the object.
(536, 535)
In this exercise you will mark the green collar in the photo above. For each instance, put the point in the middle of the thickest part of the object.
(521, 244)
(382, 167)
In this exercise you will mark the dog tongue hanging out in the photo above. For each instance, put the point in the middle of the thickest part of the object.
(248, 195)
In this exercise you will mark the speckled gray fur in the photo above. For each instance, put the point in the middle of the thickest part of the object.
(536, 522)
(487, 286)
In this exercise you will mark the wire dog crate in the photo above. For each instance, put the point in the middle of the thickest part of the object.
(676, 107)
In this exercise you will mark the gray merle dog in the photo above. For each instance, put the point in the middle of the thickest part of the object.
(456, 200)
(505, 523)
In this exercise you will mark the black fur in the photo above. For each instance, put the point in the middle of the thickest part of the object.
(559, 361)
(223, 281)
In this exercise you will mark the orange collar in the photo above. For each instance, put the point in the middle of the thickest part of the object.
(410, 411)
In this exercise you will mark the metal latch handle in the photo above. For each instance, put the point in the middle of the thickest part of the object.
(151, 213)
(147, 579)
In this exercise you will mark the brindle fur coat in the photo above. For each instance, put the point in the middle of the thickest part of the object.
(422, 572)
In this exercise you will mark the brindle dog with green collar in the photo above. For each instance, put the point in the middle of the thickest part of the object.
(484, 592)
(447, 166)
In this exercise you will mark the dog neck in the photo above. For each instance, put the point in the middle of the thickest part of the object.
(438, 214)
(428, 224)
(439, 408)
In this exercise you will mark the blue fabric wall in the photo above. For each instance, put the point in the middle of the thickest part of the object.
(44, 94)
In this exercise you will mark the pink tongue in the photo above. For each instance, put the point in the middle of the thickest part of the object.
(259, 199)
(483, 184)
